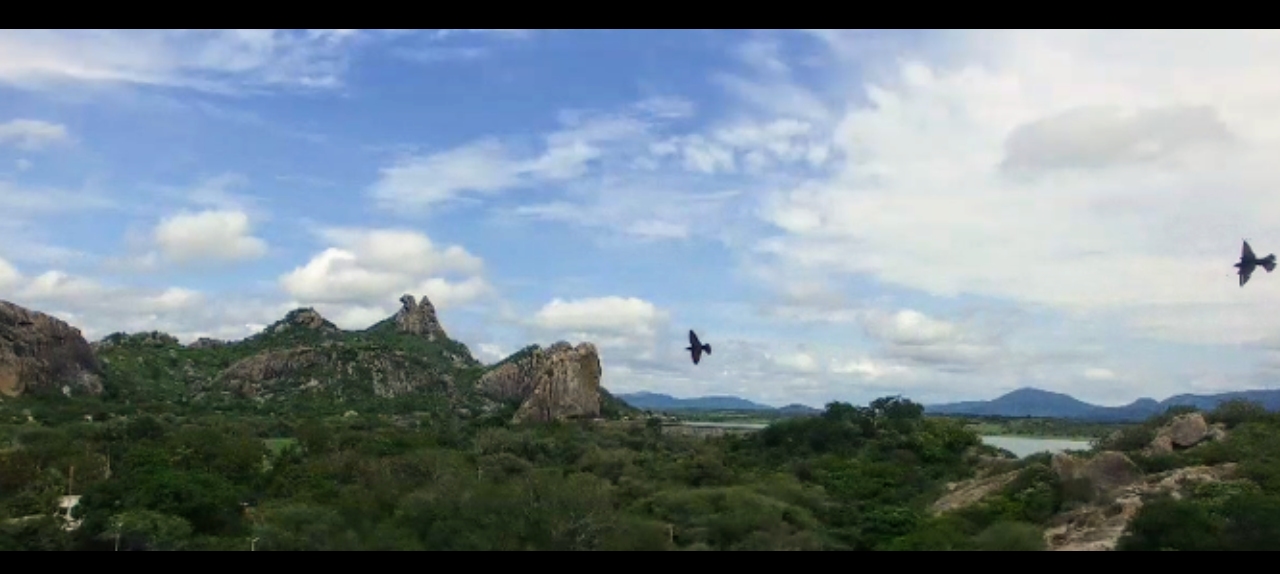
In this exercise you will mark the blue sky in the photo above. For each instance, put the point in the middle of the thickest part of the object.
(842, 214)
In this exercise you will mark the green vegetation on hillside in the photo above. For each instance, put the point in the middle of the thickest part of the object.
(166, 461)
(187, 478)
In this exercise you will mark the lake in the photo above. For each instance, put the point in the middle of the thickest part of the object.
(1020, 446)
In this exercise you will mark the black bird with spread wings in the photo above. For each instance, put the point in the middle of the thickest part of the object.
(696, 347)
(1249, 262)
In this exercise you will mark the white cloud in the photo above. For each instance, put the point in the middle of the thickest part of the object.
(610, 316)
(489, 166)
(1099, 374)
(482, 167)
(1041, 168)
(208, 236)
(99, 309)
(490, 353)
(32, 135)
(207, 60)
(370, 268)
(9, 275)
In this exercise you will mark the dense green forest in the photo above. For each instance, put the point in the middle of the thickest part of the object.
(378, 476)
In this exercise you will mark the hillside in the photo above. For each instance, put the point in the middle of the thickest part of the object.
(1029, 402)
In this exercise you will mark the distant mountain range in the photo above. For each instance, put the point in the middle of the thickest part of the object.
(660, 402)
(1028, 402)
(1025, 402)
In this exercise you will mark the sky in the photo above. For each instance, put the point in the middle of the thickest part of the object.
(842, 214)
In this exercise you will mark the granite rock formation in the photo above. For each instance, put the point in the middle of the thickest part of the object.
(41, 354)
(556, 383)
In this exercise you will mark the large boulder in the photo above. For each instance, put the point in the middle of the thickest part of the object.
(556, 383)
(1184, 431)
(1106, 471)
(40, 354)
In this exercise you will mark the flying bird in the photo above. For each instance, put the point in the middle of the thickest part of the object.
(1249, 262)
(696, 347)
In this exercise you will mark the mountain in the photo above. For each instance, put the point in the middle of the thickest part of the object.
(660, 402)
(796, 409)
(1029, 402)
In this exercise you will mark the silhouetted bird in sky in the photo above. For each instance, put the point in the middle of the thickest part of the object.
(696, 347)
(1249, 262)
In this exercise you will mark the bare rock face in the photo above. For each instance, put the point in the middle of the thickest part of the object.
(555, 383)
(305, 318)
(324, 367)
(419, 318)
(968, 492)
(42, 354)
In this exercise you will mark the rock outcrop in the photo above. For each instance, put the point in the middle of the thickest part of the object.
(419, 318)
(1106, 471)
(965, 493)
(559, 382)
(1100, 526)
(304, 318)
(41, 354)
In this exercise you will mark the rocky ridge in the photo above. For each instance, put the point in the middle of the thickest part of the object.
(303, 354)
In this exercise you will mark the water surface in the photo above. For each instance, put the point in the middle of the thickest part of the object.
(1023, 446)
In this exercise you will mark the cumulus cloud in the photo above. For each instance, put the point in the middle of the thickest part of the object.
(210, 235)
(32, 135)
(608, 321)
(914, 337)
(99, 309)
(370, 268)
(1042, 169)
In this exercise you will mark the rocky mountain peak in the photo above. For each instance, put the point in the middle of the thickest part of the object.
(304, 318)
(419, 318)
